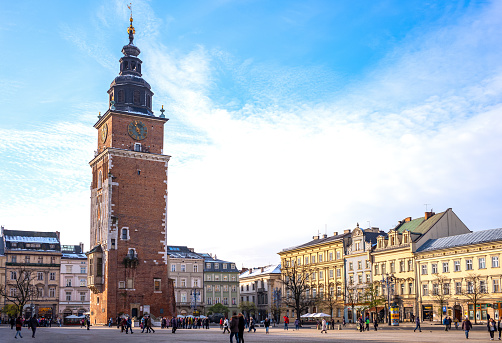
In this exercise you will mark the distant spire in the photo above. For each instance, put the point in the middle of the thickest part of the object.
(130, 30)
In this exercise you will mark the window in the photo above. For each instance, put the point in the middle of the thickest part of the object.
(125, 234)
(331, 273)
(208, 277)
(12, 292)
(402, 289)
(217, 300)
(435, 289)
(68, 269)
(121, 95)
(82, 283)
(446, 267)
(40, 276)
(13, 275)
(410, 288)
(313, 259)
(468, 264)
(83, 270)
(313, 275)
(306, 260)
(392, 267)
(234, 288)
(68, 296)
(225, 266)
(216, 266)
(183, 297)
(456, 266)
(121, 284)
(209, 288)
(321, 275)
(299, 261)
(52, 292)
(208, 265)
(367, 264)
(136, 98)
(331, 256)
(495, 261)
(446, 289)
(53, 259)
(482, 263)
(209, 300)
(360, 278)
(401, 266)
(68, 282)
(130, 283)
(217, 278)
(225, 277)
(27, 259)
(458, 287)
(425, 290)
(384, 268)
(52, 276)
(234, 278)
(410, 265)
(195, 268)
(357, 246)
(234, 301)
(496, 286)
(183, 282)
(225, 301)
(195, 282)
(13, 259)
(338, 272)
(359, 265)
(82, 296)
(40, 259)
(376, 269)
(424, 269)
(351, 266)
(183, 268)
(173, 267)
(156, 285)
(434, 268)
(148, 101)
(337, 255)
(137, 147)
(368, 278)
(482, 286)
(470, 287)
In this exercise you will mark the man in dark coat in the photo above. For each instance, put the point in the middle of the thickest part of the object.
(234, 328)
(33, 324)
(242, 325)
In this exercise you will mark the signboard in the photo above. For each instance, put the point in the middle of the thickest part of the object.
(146, 309)
(444, 309)
(45, 311)
(196, 313)
(394, 316)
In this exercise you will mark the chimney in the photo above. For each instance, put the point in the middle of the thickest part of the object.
(191, 249)
(429, 214)
(81, 247)
(315, 237)
(1, 232)
(58, 234)
(346, 231)
(335, 233)
(407, 219)
(324, 236)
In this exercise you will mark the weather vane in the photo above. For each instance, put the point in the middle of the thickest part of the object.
(130, 30)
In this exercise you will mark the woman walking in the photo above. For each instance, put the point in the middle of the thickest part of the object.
(491, 328)
(19, 325)
(323, 326)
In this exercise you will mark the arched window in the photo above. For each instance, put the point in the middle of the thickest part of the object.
(148, 101)
(100, 179)
(121, 96)
(136, 97)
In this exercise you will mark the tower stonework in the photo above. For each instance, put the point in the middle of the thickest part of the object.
(127, 271)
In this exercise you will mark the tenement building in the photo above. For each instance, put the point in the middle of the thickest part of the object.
(262, 287)
(127, 271)
(74, 296)
(461, 276)
(36, 255)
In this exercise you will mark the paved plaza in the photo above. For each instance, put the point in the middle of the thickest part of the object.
(404, 333)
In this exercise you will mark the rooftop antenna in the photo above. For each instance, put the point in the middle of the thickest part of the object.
(426, 207)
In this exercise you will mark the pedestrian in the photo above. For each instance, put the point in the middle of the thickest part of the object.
(286, 322)
(323, 326)
(492, 327)
(456, 323)
(12, 322)
(499, 327)
(297, 324)
(142, 324)
(19, 325)
(129, 325)
(251, 325)
(449, 323)
(33, 324)
(367, 323)
(148, 325)
(417, 321)
(242, 326)
(445, 323)
(267, 325)
(343, 322)
(361, 324)
(234, 328)
(174, 325)
(88, 323)
(466, 326)
(225, 325)
(221, 323)
(375, 323)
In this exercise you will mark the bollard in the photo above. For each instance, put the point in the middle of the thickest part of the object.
(339, 327)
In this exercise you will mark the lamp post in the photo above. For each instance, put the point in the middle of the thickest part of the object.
(194, 293)
(387, 280)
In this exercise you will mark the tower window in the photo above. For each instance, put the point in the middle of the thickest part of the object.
(125, 233)
(126, 65)
(136, 97)
(137, 146)
(148, 101)
(121, 96)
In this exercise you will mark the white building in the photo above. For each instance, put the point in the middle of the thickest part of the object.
(74, 296)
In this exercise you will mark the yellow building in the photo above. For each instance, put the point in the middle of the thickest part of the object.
(323, 257)
(393, 258)
(453, 271)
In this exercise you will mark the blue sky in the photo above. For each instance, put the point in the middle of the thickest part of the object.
(286, 117)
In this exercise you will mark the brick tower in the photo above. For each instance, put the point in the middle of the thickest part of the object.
(128, 259)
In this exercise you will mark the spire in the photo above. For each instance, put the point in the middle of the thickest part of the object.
(130, 30)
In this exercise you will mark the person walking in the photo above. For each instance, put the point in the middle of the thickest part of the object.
(267, 326)
(174, 325)
(499, 327)
(225, 325)
(466, 326)
(491, 328)
(19, 325)
(343, 322)
(242, 326)
(251, 324)
(323, 326)
(367, 323)
(33, 324)
(88, 322)
(417, 321)
(445, 323)
(297, 324)
(149, 325)
(286, 322)
(129, 325)
(221, 323)
(234, 328)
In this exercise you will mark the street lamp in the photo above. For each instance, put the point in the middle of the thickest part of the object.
(194, 293)
(387, 280)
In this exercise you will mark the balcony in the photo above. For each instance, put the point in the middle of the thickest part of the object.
(95, 283)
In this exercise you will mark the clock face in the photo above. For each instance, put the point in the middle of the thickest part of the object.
(137, 130)
(104, 133)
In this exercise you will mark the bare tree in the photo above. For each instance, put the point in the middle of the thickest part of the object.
(351, 297)
(475, 290)
(20, 290)
(329, 299)
(372, 297)
(296, 281)
(441, 292)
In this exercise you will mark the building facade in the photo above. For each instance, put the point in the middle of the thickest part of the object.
(128, 270)
(221, 283)
(186, 270)
(323, 259)
(74, 296)
(39, 254)
(263, 287)
(455, 272)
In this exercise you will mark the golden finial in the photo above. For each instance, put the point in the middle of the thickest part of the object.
(130, 30)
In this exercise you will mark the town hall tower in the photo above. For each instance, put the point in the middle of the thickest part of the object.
(128, 259)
